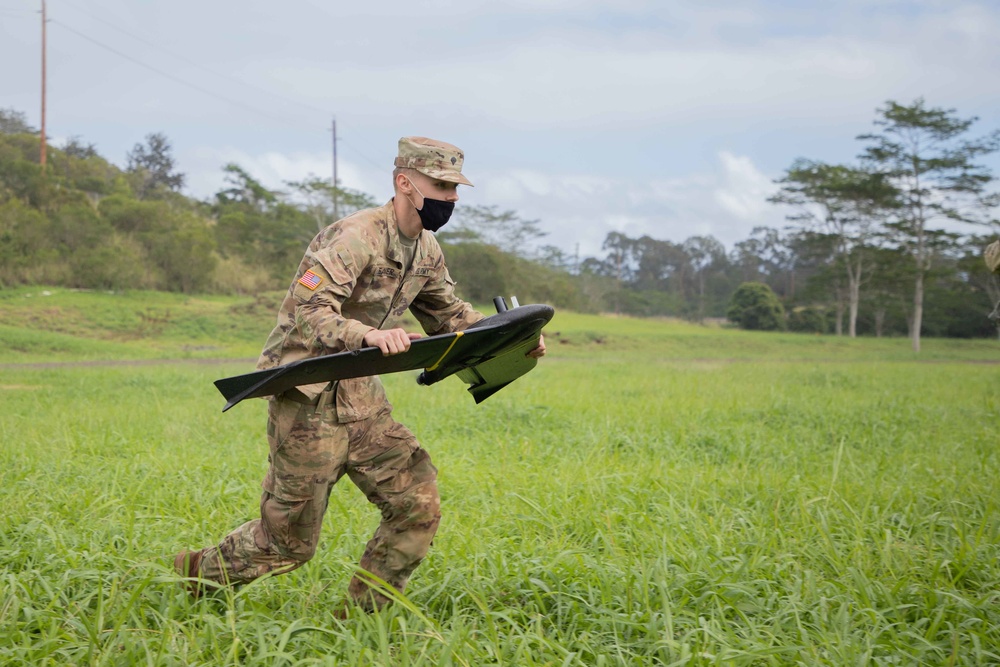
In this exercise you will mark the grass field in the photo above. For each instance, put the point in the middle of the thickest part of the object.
(653, 493)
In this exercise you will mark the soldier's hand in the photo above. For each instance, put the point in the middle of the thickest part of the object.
(539, 351)
(390, 341)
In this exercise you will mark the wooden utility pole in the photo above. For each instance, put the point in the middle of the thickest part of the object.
(336, 192)
(41, 156)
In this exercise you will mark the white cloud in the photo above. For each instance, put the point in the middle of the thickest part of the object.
(563, 78)
(272, 169)
(580, 210)
(744, 189)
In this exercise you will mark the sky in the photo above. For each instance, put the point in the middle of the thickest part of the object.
(662, 118)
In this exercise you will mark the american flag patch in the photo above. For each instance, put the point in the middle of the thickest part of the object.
(310, 279)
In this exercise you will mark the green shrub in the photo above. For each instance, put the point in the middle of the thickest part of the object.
(808, 319)
(754, 306)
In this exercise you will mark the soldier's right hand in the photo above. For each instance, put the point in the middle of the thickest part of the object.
(390, 341)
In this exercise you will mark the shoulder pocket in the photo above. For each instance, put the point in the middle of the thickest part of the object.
(339, 264)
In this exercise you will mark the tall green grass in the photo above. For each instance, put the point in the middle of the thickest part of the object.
(653, 493)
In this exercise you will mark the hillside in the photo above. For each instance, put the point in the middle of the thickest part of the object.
(57, 324)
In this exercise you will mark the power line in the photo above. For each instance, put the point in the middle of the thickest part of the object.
(370, 161)
(196, 87)
(41, 133)
(166, 75)
(17, 12)
(192, 62)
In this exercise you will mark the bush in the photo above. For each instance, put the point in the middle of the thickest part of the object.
(808, 319)
(480, 271)
(233, 275)
(754, 306)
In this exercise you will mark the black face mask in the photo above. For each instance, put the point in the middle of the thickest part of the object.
(435, 212)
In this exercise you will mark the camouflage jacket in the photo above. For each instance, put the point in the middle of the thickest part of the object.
(352, 280)
(992, 255)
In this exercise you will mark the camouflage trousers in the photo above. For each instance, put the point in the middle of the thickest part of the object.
(309, 452)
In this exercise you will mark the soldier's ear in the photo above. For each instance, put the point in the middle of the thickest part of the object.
(402, 179)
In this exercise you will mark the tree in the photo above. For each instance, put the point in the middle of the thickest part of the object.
(925, 155)
(619, 249)
(823, 273)
(75, 148)
(844, 205)
(748, 257)
(555, 257)
(703, 252)
(27, 251)
(15, 122)
(766, 256)
(317, 196)
(152, 167)
(245, 189)
(505, 230)
(259, 224)
(756, 307)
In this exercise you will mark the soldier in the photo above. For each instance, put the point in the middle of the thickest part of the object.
(357, 279)
(992, 256)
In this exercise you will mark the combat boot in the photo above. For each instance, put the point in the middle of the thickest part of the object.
(186, 564)
(341, 611)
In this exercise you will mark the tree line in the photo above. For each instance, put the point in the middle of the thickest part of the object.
(873, 247)
(864, 253)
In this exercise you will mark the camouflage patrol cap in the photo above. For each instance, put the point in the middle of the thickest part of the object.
(992, 255)
(432, 158)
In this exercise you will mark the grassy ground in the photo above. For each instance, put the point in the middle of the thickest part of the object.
(653, 493)
(44, 325)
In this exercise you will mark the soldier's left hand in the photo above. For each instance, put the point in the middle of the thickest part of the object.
(390, 341)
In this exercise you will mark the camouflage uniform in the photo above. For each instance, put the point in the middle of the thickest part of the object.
(992, 256)
(351, 280)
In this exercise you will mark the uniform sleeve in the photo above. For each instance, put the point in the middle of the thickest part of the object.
(320, 292)
(992, 255)
(438, 309)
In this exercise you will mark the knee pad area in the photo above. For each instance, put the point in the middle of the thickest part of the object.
(419, 506)
(293, 526)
